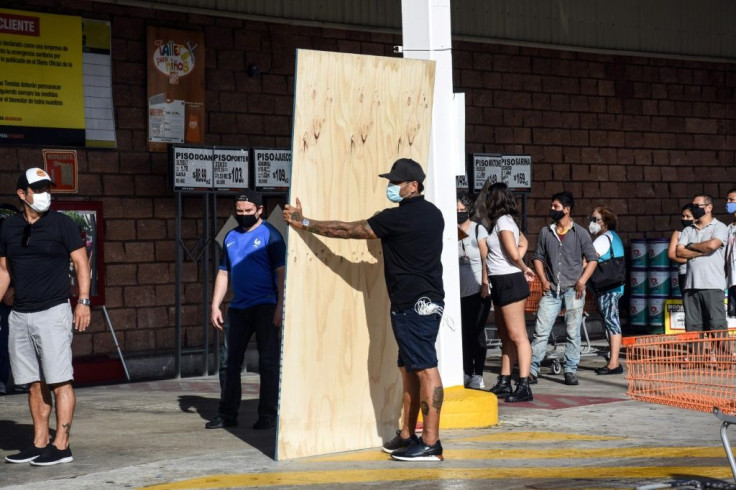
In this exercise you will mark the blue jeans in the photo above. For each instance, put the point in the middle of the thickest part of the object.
(550, 305)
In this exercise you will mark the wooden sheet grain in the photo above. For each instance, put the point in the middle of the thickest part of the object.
(354, 116)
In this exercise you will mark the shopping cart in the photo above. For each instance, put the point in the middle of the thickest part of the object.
(693, 370)
(555, 350)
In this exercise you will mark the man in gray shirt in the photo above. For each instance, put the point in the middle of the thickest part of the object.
(558, 262)
(703, 244)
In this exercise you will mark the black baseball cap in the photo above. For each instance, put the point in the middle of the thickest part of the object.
(405, 170)
(249, 195)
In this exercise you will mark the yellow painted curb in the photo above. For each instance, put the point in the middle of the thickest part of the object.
(467, 409)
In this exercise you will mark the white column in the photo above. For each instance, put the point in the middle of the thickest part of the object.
(426, 36)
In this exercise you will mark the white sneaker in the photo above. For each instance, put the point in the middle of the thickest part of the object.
(476, 382)
(466, 380)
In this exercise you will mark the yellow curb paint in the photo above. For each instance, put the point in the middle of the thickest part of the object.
(467, 409)
(558, 453)
(535, 436)
(428, 472)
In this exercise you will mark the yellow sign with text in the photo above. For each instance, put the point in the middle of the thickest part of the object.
(41, 84)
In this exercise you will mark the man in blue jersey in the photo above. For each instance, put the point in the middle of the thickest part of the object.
(254, 255)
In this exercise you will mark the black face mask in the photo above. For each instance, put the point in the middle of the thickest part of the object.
(556, 215)
(686, 222)
(246, 220)
(698, 212)
(462, 217)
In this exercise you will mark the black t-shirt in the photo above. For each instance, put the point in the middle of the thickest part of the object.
(411, 237)
(40, 271)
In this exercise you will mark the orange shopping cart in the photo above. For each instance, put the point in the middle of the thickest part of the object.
(692, 370)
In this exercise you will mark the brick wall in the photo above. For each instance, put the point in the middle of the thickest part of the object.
(639, 134)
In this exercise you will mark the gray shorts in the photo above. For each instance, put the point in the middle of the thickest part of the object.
(705, 309)
(40, 345)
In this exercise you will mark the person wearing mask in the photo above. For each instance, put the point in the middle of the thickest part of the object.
(411, 240)
(475, 298)
(607, 245)
(731, 253)
(253, 261)
(686, 219)
(703, 245)
(35, 248)
(509, 289)
(564, 260)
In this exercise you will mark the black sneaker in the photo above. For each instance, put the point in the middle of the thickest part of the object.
(265, 423)
(51, 456)
(398, 443)
(26, 455)
(533, 379)
(418, 451)
(571, 379)
(220, 422)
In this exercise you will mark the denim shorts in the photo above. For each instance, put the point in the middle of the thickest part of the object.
(416, 336)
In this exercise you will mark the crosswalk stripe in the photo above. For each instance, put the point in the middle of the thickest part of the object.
(555, 453)
(410, 473)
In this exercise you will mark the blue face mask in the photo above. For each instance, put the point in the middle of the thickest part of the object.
(731, 207)
(393, 193)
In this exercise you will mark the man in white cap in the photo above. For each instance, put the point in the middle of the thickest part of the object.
(35, 247)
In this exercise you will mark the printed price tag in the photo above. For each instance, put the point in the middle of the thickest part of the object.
(461, 182)
(486, 167)
(192, 168)
(513, 170)
(272, 169)
(231, 169)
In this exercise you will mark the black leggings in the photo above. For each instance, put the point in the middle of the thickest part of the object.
(474, 312)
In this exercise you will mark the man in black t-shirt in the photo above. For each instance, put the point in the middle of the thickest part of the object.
(411, 238)
(35, 248)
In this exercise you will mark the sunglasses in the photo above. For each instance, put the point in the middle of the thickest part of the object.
(26, 235)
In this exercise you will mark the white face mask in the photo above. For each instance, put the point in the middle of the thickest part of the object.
(594, 228)
(41, 202)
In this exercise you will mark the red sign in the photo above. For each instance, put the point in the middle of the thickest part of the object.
(62, 166)
(20, 25)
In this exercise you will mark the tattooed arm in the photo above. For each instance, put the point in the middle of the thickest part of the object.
(333, 229)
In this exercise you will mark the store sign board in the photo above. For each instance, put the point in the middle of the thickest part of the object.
(272, 170)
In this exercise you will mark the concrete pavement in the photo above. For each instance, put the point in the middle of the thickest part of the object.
(152, 434)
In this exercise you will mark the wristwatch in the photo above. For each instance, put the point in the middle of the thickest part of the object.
(83, 301)
(305, 223)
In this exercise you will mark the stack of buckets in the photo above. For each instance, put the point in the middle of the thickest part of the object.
(653, 279)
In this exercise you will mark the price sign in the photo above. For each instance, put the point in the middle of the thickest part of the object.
(516, 171)
(461, 182)
(486, 167)
(192, 168)
(230, 168)
(272, 169)
(513, 170)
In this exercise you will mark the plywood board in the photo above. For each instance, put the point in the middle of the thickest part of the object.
(354, 116)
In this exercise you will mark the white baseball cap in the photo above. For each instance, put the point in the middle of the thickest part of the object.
(33, 176)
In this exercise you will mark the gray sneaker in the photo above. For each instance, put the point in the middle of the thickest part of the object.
(476, 382)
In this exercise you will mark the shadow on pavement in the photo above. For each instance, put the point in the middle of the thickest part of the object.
(263, 440)
(15, 437)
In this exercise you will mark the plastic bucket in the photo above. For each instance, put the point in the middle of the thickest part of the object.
(657, 253)
(639, 254)
(638, 282)
(638, 311)
(659, 282)
(675, 291)
(655, 311)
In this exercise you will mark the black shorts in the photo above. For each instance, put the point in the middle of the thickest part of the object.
(508, 288)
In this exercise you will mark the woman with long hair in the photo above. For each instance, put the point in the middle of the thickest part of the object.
(475, 300)
(686, 219)
(509, 277)
(607, 245)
